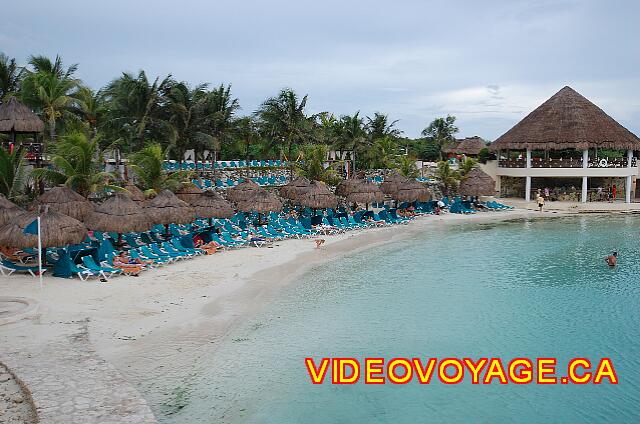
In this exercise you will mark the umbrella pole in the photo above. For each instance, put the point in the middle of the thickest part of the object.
(119, 242)
(166, 231)
(40, 253)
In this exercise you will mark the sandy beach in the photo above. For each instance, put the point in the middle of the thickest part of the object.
(151, 328)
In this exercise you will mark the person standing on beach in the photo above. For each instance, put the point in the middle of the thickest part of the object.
(540, 201)
(614, 192)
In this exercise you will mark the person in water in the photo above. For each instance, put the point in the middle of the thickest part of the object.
(612, 259)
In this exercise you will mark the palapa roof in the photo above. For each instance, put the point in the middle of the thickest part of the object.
(64, 200)
(16, 117)
(477, 183)
(316, 195)
(57, 230)
(359, 191)
(392, 182)
(210, 204)
(8, 210)
(243, 191)
(291, 190)
(411, 191)
(567, 121)
(166, 208)
(261, 202)
(135, 193)
(119, 214)
(467, 146)
(188, 192)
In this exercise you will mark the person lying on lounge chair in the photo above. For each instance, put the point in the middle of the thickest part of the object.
(209, 248)
(128, 265)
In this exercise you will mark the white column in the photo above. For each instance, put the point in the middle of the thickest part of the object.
(585, 183)
(627, 187)
(527, 185)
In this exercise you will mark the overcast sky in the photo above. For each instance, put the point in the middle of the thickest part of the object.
(487, 62)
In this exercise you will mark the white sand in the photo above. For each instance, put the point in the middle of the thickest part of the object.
(149, 326)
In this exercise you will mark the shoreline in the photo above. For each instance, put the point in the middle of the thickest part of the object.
(153, 328)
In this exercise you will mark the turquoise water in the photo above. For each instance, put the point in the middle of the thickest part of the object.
(529, 288)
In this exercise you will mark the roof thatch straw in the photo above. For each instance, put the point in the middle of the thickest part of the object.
(8, 210)
(64, 200)
(135, 193)
(411, 191)
(243, 191)
(210, 204)
(261, 202)
(57, 230)
(119, 214)
(467, 146)
(363, 191)
(345, 187)
(16, 117)
(477, 183)
(166, 208)
(392, 183)
(188, 192)
(567, 121)
(316, 196)
(291, 190)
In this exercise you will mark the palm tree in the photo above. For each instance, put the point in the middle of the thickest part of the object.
(217, 116)
(351, 135)
(91, 108)
(447, 176)
(77, 163)
(282, 119)
(406, 165)
(135, 110)
(50, 89)
(147, 164)
(10, 76)
(380, 127)
(13, 174)
(312, 163)
(442, 131)
(383, 153)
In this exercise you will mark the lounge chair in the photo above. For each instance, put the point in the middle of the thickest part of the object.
(104, 271)
(11, 267)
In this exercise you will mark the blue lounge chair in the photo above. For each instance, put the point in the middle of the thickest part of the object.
(90, 264)
(11, 267)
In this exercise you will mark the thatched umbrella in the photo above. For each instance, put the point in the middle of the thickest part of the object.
(392, 183)
(316, 196)
(16, 118)
(358, 190)
(8, 210)
(135, 193)
(118, 214)
(412, 191)
(188, 192)
(64, 200)
(167, 209)
(210, 204)
(261, 202)
(56, 230)
(477, 183)
(243, 191)
(291, 190)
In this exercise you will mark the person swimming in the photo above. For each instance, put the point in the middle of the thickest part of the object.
(612, 259)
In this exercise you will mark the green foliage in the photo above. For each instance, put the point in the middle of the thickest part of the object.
(13, 174)
(406, 165)
(484, 155)
(147, 164)
(467, 166)
(441, 131)
(312, 164)
(447, 177)
(10, 76)
(77, 163)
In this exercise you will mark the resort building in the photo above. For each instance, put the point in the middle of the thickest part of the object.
(469, 147)
(569, 149)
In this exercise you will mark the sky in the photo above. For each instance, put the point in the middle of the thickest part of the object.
(487, 62)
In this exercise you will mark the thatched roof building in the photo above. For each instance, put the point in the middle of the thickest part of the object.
(119, 214)
(17, 118)
(469, 146)
(64, 200)
(57, 230)
(567, 121)
(477, 183)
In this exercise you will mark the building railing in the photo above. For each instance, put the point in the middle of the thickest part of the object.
(601, 162)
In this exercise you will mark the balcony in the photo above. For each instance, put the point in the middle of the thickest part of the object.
(602, 162)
